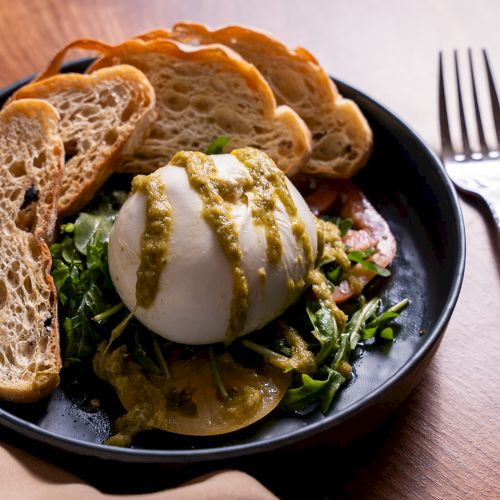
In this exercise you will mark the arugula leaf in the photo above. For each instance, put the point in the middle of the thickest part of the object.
(322, 388)
(216, 374)
(142, 358)
(335, 349)
(92, 299)
(102, 317)
(85, 230)
(300, 397)
(387, 333)
(360, 256)
(350, 337)
(67, 228)
(368, 333)
(324, 330)
(90, 227)
(81, 276)
(269, 355)
(60, 273)
(66, 251)
(119, 329)
(332, 272)
(343, 224)
(160, 358)
(328, 393)
(280, 346)
(217, 145)
(378, 323)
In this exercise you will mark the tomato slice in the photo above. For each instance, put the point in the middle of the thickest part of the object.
(321, 200)
(252, 395)
(189, 402)
(370, 230)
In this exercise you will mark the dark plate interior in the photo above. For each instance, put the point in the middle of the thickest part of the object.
(406, 183)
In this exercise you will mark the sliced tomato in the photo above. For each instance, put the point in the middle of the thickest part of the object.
(370, 230)
(196, 407)
(321, 200)
(190, 402)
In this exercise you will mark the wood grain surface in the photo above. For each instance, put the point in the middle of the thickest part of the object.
(444, 440)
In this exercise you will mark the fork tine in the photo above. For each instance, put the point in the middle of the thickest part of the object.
(480, 131)
(463, 126)
(493, 97)
(446, 146)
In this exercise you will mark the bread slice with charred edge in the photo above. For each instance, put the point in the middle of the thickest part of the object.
(31, 159)
(202, 93)
(341, 137)
(104, 117)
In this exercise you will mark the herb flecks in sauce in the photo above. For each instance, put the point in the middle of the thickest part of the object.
(265, 177)
(324, 295)
(154, 244)
(203, 178)
(144, 402)
(188, 403)
(270, 182)
(267, 185)
(333, 248)
(302, 359)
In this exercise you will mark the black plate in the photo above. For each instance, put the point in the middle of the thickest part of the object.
(406, 183)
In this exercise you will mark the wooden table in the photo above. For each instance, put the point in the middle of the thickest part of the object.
(444, 440)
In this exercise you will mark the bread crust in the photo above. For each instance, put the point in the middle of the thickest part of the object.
(78, 99)
(31, 158)
(294, 131)
(342, 138)
(293, 134)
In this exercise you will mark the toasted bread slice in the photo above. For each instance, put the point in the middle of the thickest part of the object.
(202, 93)
(104, 117)
(31, 159)
(342, 138)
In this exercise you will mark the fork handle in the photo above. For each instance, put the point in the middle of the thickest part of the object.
(492, 201)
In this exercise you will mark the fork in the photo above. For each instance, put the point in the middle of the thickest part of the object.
(476, 173)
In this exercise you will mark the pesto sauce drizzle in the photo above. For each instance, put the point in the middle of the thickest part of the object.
(154, 242)
(270, 184)
(202, 175)
(323, 293)
(298, 226)
(333, 248)
(334, 251)
(260, 164)
(265, 178)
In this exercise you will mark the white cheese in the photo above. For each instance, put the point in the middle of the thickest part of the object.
(192, 304)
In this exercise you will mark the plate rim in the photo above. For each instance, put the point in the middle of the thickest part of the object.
(185, 456)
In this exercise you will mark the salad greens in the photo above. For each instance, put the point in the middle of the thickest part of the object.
(361, 257)
(87, 298)
(91, 311)
(216, 147)
(333, 348)
(343, 224)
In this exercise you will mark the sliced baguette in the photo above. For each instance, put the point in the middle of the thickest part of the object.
(342, 138)
(31, 158)
(202, 93)
(104, 117)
